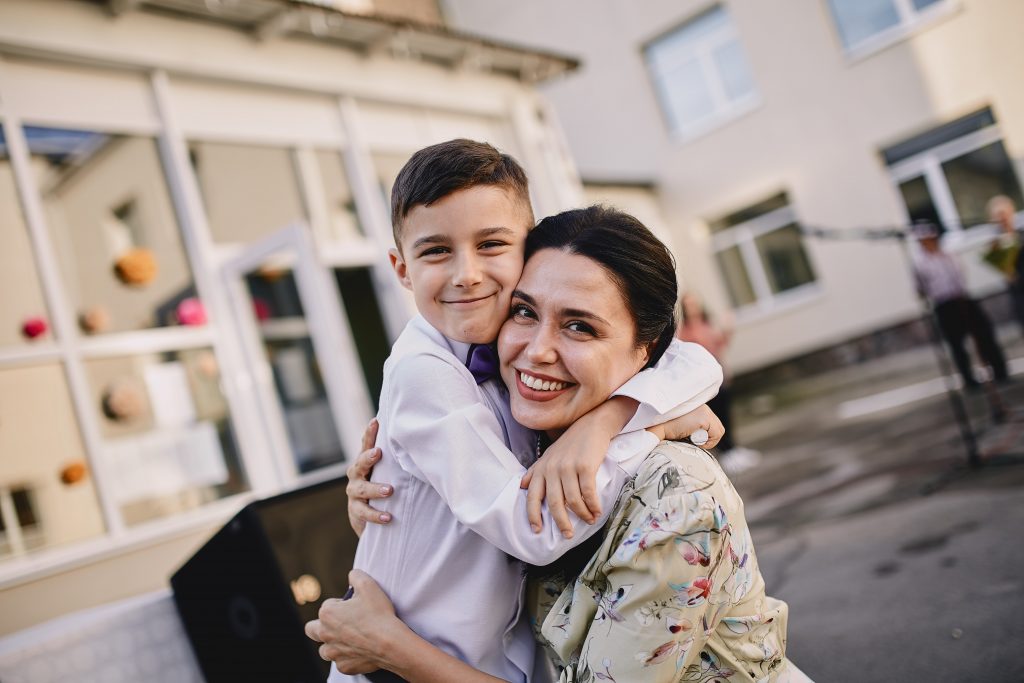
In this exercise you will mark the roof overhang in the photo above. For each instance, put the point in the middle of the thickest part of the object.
(369, 34)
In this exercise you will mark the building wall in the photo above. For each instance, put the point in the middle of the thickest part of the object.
(71, 65)
(816, 133)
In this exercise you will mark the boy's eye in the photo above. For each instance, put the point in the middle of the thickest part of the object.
(434, 251)
(493, 244)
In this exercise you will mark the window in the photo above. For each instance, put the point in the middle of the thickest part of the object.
(864, 23)
(701, 73)
(947, 175)
(113, 227)
(366, 318)
(47, 498)
(168, 443)
(24, 319)
(760, 253)
(248, 191)
(19, 521)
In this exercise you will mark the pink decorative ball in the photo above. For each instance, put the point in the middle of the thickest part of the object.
(262, 309)
(191, 312)
(34, 327)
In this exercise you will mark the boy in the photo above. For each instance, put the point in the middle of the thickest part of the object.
(460, 214)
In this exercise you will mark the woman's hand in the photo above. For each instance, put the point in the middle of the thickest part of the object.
(355, 633)
(680, 428)
(360, 489)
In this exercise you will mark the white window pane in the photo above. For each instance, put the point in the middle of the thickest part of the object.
(918, 200)
(737, 282)
(248, 191)
(366, 318)
(733, 70)
(976, 177)
(169, 443)
(695, 65)
(284, 330)
(23, 318)
(688, 95)
(784, 259)
(680, 45)
(858, 20)
(343, 225)
(43, 472)
(114, 228)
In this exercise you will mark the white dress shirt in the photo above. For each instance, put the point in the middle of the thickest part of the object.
(938, 276)
(448, 560)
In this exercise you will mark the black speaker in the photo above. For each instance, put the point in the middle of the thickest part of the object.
(245, 595)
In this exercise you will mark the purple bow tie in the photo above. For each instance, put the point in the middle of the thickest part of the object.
(482, 362)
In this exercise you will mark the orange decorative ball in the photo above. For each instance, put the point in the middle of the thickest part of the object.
(94, 320)
(73, 473)
(136, 267)
(124, 401)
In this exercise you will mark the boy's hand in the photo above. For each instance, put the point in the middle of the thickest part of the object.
(681, 427)
(360, 489)
(567, 473)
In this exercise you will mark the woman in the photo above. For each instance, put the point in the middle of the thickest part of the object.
(671, 591)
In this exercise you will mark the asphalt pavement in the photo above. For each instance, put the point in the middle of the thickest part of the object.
(898, 560)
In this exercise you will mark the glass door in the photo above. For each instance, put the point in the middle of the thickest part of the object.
(300, 357)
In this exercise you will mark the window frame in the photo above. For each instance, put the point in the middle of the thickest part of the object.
(725, 110)
(911, 21)
(928, 164)
(743, 236)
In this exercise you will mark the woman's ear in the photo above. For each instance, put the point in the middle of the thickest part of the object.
(644, 354)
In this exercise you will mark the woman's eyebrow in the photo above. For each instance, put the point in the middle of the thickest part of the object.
(565, 312)
(580, 313)
(520, 294)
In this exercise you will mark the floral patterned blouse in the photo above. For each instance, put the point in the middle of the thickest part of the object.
(673, 593)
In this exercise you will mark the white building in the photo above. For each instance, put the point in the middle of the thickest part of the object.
(749, 119)
(230, 160)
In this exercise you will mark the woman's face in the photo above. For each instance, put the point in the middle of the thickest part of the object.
(569, 343)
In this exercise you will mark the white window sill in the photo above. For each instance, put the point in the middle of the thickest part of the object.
(786, 302)
(897, 34)
(717, 120)
(45, 563)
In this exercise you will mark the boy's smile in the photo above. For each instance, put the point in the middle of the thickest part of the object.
(461, 257)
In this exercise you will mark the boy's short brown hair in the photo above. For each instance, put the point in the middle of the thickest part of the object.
(434, 172)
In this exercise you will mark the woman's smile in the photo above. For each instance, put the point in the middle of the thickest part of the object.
(538, 387)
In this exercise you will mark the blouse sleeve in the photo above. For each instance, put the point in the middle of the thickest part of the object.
(686, 376)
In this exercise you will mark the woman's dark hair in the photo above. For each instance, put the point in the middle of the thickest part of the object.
(640, 264)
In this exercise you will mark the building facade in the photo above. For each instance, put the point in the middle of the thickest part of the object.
(784, 140)
(197, 300)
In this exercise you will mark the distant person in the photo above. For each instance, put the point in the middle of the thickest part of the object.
(695, 326)
(1005, 251)
(940, 281)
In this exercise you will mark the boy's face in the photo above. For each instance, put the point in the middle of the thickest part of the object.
(461, 258)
